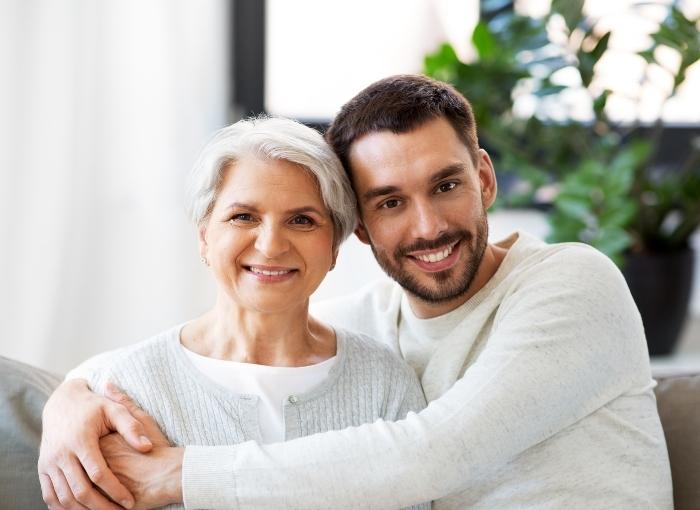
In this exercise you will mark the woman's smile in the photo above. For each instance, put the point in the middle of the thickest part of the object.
(271, 274)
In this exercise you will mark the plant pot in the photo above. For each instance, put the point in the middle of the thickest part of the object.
(660, 284)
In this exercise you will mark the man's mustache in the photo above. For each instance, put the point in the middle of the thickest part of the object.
(432, 244)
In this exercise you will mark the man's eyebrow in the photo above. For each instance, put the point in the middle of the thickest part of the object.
(448, 171)
(379, 192)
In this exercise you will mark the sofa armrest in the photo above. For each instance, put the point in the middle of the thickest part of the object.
(678, 400)
(23, 392)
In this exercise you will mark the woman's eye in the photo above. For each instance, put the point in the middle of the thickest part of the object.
(446, 186)
(242, 217)
(390, 204)
(302, 220)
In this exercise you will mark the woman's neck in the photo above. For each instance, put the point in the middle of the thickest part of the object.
(289, 338)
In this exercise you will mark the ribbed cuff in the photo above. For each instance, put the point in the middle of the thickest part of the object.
(207, 478)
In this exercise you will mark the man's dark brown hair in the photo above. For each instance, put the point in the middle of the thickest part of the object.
(400, 104)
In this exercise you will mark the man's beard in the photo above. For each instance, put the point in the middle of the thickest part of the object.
(444, 289)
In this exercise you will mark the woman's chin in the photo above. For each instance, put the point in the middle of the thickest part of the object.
(274, 304)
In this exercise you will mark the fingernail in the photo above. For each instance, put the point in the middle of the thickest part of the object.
(127, 504)
(145, 441)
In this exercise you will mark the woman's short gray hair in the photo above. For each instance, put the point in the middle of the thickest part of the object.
(272, 138)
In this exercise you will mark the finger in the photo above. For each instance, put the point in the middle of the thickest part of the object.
(47, 492)
(94, 465)
(63, 492)
(124, 418)
(115, 394)
(150, 430)
(83, 490)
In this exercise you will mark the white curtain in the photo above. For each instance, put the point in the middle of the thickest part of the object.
(103, 107)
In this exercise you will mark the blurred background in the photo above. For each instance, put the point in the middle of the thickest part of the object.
(590, 109)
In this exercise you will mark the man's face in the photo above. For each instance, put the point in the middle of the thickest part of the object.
(423, 207)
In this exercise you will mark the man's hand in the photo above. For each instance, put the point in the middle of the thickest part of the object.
(154, 479)
(70, 461)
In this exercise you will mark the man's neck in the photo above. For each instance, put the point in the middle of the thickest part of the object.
(490, 262)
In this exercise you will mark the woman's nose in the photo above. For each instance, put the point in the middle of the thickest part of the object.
(271, 241)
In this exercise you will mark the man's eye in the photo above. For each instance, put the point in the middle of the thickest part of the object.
(390, 204)
(302, 220)
(446, 186)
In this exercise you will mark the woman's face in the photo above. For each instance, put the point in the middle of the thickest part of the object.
(269, 238)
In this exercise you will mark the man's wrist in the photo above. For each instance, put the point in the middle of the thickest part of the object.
(169, 487)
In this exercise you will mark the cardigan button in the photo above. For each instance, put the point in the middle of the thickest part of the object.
(293, 399)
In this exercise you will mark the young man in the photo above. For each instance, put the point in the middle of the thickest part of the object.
(532, 356)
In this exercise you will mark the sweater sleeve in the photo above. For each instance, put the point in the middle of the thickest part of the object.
(567, 340)
(90, 368)
(412, 401)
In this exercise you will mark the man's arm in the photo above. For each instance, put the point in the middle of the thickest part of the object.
(567, 343)
(70, 461)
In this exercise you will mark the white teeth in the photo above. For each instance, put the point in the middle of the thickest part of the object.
(269, 273)
(437, 256)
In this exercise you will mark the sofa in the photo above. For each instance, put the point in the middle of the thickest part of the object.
(24, 390)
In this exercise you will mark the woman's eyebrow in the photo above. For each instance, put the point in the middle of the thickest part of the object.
(305, 209)
(242, 205)
(296, 210)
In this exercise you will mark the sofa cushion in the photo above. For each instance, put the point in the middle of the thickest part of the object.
(679, 408)
(23, 392)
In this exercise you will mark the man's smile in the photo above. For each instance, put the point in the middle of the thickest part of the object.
(438, 259)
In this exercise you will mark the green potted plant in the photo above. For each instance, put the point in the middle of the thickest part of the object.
(604, 184)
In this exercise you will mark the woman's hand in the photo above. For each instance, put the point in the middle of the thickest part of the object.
(70, 461)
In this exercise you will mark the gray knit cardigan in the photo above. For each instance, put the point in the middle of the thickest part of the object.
(367, 382)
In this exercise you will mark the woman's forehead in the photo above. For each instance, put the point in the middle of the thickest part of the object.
(272, 182)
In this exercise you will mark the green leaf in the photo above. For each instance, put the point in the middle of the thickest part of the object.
(601, 47)
(571, 10)
(484, 41)
(599, 104)
(573, 206)
(618, 215)
(613, 242)
(549, 90)
(443, 64)
(648, 55)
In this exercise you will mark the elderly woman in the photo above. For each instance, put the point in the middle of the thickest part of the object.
(272, 204)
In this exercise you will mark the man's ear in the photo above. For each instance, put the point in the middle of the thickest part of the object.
(361, 232)
(487, 179)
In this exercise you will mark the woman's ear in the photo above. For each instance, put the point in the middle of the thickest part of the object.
(361, 232)
(203, 248)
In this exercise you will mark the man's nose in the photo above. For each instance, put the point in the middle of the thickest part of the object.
(428, 220)
(271, 241)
